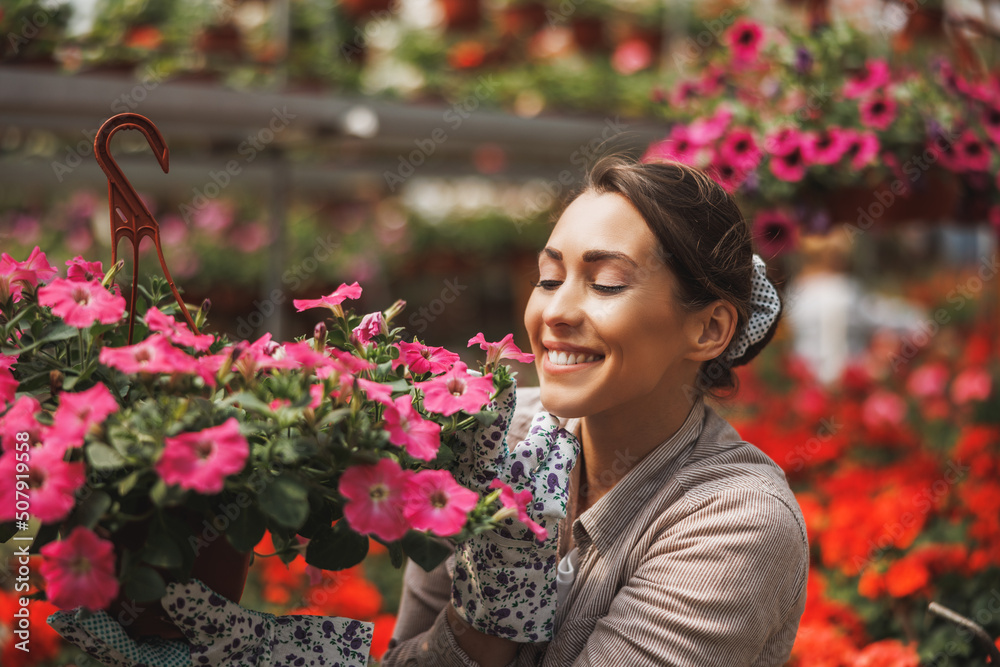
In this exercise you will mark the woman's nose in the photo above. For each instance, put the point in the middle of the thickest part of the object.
(564, 306)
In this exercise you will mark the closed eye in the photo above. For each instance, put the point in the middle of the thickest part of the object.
(549, 285)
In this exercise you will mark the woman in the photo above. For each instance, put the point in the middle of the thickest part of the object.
(681, 544)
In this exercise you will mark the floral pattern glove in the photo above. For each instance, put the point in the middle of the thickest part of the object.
(105, 640)
(224, 633)
(505, 581)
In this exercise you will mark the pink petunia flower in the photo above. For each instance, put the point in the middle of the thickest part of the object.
(874, 76)
(420, 437)
(973, 153)
(79, 571)
(972, 384)
(263, 354)
(928, 381)
(177, 332)
(991, 122)
(774, 232)
(677, 147)
(436, 502)
(883, 408)
(81, 304)
(505, 349)
(52, 483)
(705, 131)
(739, 148)
(727, 175)
(153, 355)
(201, 460)
(332, 300)
(8, 384)
(456, 390)
(631, 56)
(375, 499)
(15, 276)
(745, 38)
(518, 502)
(825, 147)
(20, 418)
(420, 358)
(304, 355)
(77, 412)
(372, 324)
(789, 166)
(376, 391)
(860, 148)
(82, 271)
(878, 111)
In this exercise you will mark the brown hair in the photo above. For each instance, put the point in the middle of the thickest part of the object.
(704, 240)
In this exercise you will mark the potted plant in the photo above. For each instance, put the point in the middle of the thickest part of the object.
(138, 460)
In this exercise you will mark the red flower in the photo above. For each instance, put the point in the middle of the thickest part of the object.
(774, 232)
(888, 652)
(466, 55)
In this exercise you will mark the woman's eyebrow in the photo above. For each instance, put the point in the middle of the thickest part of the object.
(600, 255)
(551, 252)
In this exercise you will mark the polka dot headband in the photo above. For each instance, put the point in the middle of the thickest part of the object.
(765, 306)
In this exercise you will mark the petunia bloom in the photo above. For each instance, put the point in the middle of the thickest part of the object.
(332, 300)
(375, 499)
(8, 384)
(774, 232)
(972, 384)
(372, 324)
(52, 483)
(420, 437)
(878, 111)
(79, 571)
(20, 418)
(81, 271)
(874, 76)
(420, 358)
(860, 147)
(739, 148)
(77, 412)
(436, 502)
(81, 304)
(15, 276)
(517, 503)
(153, 355)
(505, 349)
(745, 39)
(177, 332)
(200, 461)
(457, 390)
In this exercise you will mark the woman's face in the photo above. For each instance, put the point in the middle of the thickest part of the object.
(603, 319)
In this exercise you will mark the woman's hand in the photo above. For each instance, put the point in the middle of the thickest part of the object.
(505, 581)
(220, 632)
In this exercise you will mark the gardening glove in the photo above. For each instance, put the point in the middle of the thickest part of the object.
(224, 633)
(505, 581)
(105, 640)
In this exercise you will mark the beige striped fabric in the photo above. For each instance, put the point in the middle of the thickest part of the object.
(697, 556)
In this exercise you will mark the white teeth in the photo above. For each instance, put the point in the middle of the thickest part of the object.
(562, 359)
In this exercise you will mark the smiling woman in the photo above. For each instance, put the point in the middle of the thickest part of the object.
(673, 541)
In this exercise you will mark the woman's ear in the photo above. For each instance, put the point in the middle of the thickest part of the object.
(711, 329)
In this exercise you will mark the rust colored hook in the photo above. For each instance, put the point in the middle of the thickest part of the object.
(129, 216)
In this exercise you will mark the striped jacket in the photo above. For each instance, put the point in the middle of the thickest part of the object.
(698, 556)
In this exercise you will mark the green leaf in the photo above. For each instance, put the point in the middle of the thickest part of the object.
(103, 457)
(486, 417)
(247, 401)
(336, 416)
(165, 495)
(144, 584)
(285, 500)
(247, 529)
(161, 550)
(336, 548)
(8, 529)
(321, 515)
(90, 510)
(426, 551)
(56, 332)
(47, 533)
(396, 554)
(128, 483)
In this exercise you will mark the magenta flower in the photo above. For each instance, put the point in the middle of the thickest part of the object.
(505, 349)
(8, 385)
(745, 38)
(82, 271)
(456, 390)
(304, 355)
(77, 412)
(177, 332)
(15, 276)
(874, 76)
(420, 358)
(705, 131)
(332, 300)
(928, 381)
(263, 353)
(774, 232)
(972, 384)
(631, 56)
(518, 503)
(789, 166)
(972, 153)
(860, 148)
(153, 355)
(375, 499)
(201, 460)
(407, 429)
(20, 418)
(677, 147)
(376, 391)
(727, 175)
(372, 324)
(740, 150)
(79, 571)
(878, 111)
(825, 147)
(81, 304)
(436, 502)
(991, 122)
(51, 483)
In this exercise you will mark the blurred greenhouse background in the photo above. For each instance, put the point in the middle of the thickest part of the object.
(422, 148)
